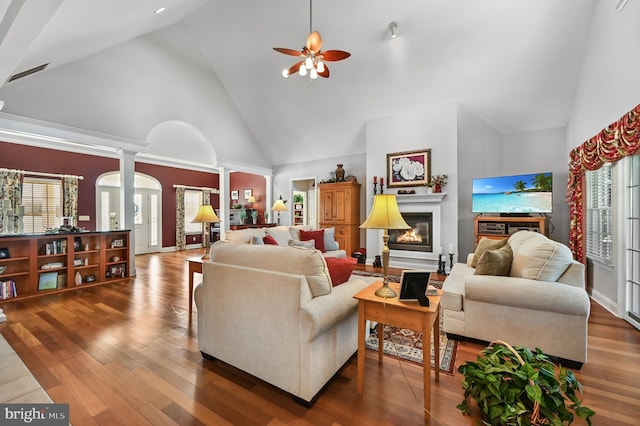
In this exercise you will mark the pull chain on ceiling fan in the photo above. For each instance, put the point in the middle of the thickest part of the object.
(313, 58)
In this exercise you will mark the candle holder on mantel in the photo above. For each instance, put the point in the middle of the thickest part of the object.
(450, 261)
(375, 188)
(442, 264)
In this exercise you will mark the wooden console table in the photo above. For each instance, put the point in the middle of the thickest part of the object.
(195, 265)
(409, 315)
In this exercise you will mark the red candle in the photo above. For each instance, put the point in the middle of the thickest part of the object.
(381, 181)
(375, 179)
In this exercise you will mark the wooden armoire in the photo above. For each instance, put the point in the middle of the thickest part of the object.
(340, 208)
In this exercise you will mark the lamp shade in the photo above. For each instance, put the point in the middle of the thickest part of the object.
(279, 206)
(385, 214)
(205, 215)
(251, 199)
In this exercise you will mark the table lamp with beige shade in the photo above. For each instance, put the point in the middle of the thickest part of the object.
(279, 206)
(385, 215)
(206, 215)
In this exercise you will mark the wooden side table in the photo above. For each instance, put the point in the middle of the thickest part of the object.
(195, 265)
(409, 315)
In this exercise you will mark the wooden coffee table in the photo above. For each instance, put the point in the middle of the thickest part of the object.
(406, 314)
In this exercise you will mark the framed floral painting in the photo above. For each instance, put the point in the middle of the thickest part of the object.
(409, 168)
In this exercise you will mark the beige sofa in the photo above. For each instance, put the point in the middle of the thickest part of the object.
(285, 236)
(271, 311)
(542, 303)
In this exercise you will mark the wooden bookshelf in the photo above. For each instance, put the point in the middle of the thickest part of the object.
(48, 263)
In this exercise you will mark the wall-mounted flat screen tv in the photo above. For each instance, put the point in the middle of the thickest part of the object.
(518, 194)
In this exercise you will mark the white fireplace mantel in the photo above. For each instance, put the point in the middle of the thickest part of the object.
(420, 198)
(420, 203)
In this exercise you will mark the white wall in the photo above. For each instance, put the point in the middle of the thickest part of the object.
(129, 89)
(321, 169)
(538, 152)
(608, 87)
(433, 127)
(480, 154)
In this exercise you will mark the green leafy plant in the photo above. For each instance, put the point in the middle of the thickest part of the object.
(254, 215)
(515, 386)
(298, 198)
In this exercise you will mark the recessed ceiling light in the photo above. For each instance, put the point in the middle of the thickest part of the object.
(162, 9)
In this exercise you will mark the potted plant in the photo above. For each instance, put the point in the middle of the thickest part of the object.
(254, 216)
(266, 217)
(243, 217)
(515, 386)
(438, 182)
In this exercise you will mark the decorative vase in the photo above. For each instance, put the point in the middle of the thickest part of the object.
(339, 173)
(377, 262)
(429, 190)
(78, 278)
(437, 188)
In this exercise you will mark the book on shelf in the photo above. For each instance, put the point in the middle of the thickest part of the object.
(8, 289)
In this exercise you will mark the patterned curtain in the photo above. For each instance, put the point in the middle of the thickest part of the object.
(618, 140)
(180, 234)
(206, 199)
(70, 196)
(10, 198)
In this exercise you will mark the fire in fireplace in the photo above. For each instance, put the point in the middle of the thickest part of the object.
(418, 238)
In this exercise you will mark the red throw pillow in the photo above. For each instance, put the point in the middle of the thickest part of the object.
(340, 269)
(317, 236)
(268, 239)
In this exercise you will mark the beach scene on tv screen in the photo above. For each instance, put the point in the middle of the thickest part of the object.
(528, 193)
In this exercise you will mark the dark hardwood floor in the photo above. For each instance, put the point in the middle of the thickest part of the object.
(127, 353)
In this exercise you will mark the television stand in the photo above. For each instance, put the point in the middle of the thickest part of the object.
(500, 228)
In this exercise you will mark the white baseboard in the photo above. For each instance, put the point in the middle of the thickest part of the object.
(604, 301)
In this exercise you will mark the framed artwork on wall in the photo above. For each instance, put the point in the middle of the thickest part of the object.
(247, 193)
(408, 168)
(235, 195)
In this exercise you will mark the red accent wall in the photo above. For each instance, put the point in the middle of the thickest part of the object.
(169, 176)
(35, 159)
(239, 181)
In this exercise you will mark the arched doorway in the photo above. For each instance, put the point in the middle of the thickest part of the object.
(147, 204)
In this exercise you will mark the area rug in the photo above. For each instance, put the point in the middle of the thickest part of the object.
(407, 344)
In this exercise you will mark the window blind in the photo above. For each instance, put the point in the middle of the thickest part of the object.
(42, 201)
(192, 202)
(599, 214)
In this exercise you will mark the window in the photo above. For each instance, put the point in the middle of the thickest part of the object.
(599, 215)
(633, 239)
(42, 201)
(192, 202)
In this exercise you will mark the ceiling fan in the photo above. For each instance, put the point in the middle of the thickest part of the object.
(313, 58)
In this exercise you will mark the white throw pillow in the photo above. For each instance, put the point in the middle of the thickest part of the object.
(330, 243)
(541, 259)
(310, 244)
(280, 233)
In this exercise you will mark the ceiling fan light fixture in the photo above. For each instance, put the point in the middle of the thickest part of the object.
(285, 73)
(393, 26)
(303, 71)
(313, 74)
(308, 63)
(320, 66)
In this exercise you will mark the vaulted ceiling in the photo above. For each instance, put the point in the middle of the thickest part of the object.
(513, 63)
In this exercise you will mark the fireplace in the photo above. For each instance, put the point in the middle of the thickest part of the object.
(418, 238)
(422, 213)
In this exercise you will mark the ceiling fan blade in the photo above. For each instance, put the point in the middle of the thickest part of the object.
(335, 55)
(324, 73)
(287, 51)
(295, 68)
(314, 41)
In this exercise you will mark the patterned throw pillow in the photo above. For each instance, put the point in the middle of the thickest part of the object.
(330, 243)
(495, 262)
(340, 269)
(317, 236)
